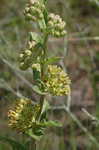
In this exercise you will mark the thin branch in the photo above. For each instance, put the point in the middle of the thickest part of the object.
(93, 118)
(18, 74)
(5, 85)
(75, 119)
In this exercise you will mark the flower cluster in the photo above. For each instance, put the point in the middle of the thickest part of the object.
(56, 25)
(23, 115)
(26, 57)
(34, 10)
(56, 80)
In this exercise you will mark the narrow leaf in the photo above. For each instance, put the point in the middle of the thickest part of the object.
(42, 24)
(52, 60)
(31, 134)
(53, 124)
(34, 36)
(37, 90)
(36, 74)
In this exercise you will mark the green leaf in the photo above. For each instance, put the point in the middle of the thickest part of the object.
(52, 60)
(42, 24)
(36, 132)
(37, 90)
(34, 37)
(52, 124)
(43, 115)
(46, 16)
(36, 74)
(14, 144)
(46, 106)
(39, 130)
(31, 134)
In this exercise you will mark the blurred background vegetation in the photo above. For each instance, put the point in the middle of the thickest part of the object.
(81, 51)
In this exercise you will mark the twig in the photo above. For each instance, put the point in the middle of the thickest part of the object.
(8, 87)
(17, 73)
(90, 116)
(75, 119)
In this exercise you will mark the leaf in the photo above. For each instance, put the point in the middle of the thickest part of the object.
(14, 144)
(43, 115)
(34, 37)
(52, 124)
(52, 60)
(37, 90)
(30, 133)
(46, 16)
(46, 106)
(36, 74)
(36, 133)
(39, 130)
(42, 24)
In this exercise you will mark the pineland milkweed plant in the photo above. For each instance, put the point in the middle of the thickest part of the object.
(24, 116)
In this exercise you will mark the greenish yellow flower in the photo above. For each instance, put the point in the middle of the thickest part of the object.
(56, 25)
(57, 82)
(23, 115)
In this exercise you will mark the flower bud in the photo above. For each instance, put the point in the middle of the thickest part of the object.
(26, 58)
(21, 55)
(34, 10)
(56, 25)
(28, 52)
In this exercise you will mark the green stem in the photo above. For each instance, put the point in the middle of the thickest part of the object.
(43, 68)
(32, 145)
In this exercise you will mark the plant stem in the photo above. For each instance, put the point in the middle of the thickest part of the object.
(32, 145)
(43, 69)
